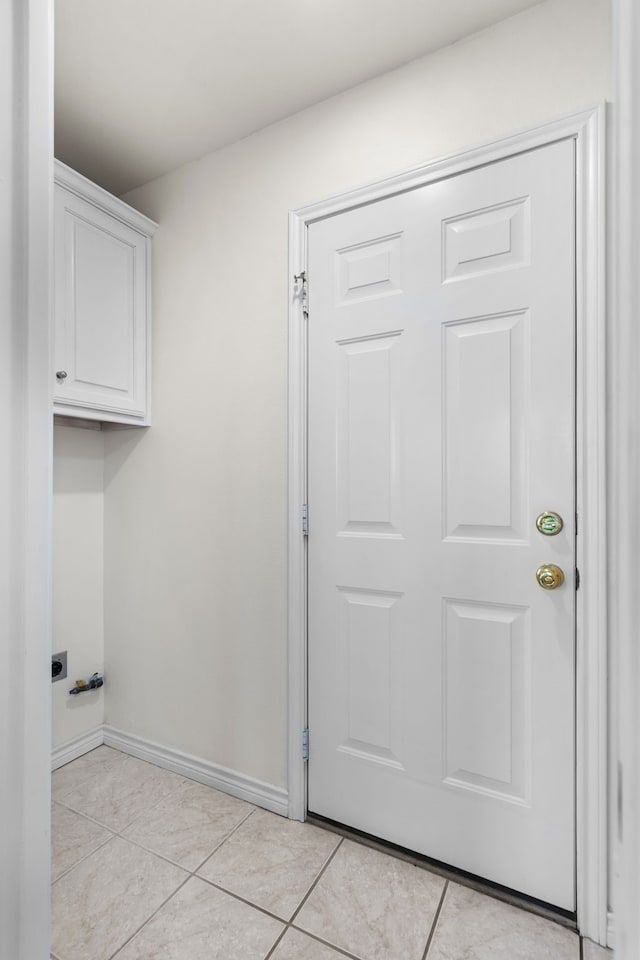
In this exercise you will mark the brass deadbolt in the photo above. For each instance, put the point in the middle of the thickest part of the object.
(549, 523)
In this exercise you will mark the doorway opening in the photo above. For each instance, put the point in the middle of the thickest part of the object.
(586, 132)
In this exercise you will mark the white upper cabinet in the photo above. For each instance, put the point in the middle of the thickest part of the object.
(102, 304)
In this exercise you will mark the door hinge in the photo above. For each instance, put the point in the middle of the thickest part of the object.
(305, 744)
(302, 290)
(305, 520)
(577, 579)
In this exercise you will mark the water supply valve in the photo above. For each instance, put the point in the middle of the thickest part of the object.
(82, 686)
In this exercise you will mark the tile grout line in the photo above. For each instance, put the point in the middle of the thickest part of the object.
(136, 843)
(135, 933)
(157, 802)
(58, 798)
(435, 921)
(174, 863)
(315, 883)
(80, 814)
(236, 896)
(160, 856)
(189, 873)
(139, 846)
(83, 858)
(98, 823)
(278, 942)
(126, 757)
(438, 869)
(289, 923)
(325, 943)
(194, 872)
(248, 903)
(153, 805)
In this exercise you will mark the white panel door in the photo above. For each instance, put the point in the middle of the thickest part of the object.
(100, 309)
(441, 425)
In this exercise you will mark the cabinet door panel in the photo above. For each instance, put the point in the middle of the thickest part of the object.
(100, 298)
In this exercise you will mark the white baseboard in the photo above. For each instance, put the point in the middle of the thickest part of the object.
(74, 748)
(262, 794)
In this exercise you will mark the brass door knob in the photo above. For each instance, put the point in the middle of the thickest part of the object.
(549, 576)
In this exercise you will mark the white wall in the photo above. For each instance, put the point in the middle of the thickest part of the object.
(195, 575)
(78, 549)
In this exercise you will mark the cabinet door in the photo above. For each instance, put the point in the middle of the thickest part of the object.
(100, 313)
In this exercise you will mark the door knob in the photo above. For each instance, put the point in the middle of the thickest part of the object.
(549, 523)
(549, 576)
(61, 375)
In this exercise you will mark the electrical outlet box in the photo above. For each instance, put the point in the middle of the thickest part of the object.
(59, 666)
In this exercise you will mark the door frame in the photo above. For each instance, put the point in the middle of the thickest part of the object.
(624, 468)
(26, 428)
(587, 128)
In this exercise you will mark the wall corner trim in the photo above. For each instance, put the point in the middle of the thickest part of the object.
(265, 795)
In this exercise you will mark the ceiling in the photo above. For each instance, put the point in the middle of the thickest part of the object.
(143, 86)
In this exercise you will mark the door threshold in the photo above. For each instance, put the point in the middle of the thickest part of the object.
(546, 910)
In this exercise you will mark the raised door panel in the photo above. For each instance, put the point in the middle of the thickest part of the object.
(485, 406)
(486, 241)
(487, 699)
(101, 335)
(367, 483)
(368, 640)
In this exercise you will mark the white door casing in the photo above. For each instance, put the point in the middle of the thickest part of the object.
(624, 476)
(26, 188)
(441, 424)
(586, 129)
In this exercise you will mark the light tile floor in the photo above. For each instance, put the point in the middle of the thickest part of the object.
(150, 866)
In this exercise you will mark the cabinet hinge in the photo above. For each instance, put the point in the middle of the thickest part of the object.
(305, 744)
(577, 579)
(302, 290)
(305, 520)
